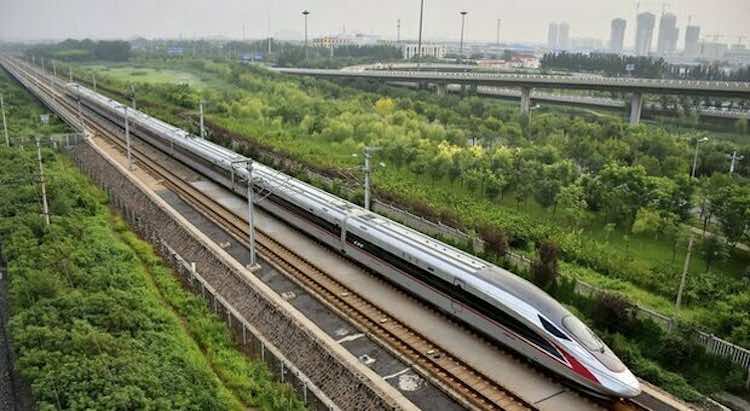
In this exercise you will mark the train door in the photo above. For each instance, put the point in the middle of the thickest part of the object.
(457, 305)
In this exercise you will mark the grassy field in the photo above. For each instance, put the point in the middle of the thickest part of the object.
(148, 75)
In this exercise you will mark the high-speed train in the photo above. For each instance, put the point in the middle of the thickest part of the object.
(500, 305)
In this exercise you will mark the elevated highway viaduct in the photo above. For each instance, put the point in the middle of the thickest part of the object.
(636, 87)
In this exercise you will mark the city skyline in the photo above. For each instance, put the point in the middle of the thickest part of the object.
(522, 21)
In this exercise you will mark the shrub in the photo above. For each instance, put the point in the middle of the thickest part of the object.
(611, 312)
(545, 269)
(495, 239)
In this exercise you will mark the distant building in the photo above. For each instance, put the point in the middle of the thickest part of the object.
(587, 43)
(617, 36)
(713, 51)
(345, 40)
(644, 33)
(738, 54)
(331, 41)
(552, 36)
(563, 36)
(668, 35)
(175, 51)
(409, 51)
(692, 38)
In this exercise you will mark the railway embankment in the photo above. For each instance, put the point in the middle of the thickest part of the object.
(264, 325)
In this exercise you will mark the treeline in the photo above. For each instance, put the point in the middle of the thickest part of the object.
(646, 67)
(83, 50)
(609, 64)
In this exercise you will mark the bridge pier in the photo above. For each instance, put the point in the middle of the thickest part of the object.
(525, 100)
(636, 107)
(441, 89)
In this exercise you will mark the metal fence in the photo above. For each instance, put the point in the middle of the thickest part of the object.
(249, 339)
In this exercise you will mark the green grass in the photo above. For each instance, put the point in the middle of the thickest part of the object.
(97, 319)
(148, 75)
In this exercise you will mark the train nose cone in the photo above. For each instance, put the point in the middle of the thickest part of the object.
(630, 386)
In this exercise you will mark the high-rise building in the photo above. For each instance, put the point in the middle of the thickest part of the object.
(617, 36)
(644, 33)
(563, 37)
(552, 36)
(667, 41)
(692, 36)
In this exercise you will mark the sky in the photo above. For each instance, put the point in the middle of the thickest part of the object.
(522, 20)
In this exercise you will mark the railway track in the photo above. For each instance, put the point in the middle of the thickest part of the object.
(463, 382)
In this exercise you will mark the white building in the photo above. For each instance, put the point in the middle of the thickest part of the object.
(410, 51)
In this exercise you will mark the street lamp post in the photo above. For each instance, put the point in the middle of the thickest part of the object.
(695, 158)
(306, 13)
(735, 158)
(419, 41)
(463, 24)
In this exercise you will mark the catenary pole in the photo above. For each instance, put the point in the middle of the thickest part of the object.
(203, 128)
(127, 139)
(250, 212)
(684, 274)
(41, 176)
(5, 124)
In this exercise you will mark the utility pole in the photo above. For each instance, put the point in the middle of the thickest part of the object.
(306, 13)
(127, 138)
(398, 31)
(5, 124)
(54, 68)
(93, 80)
(735, 158)
(419, 41)
(368, 174)
(41, 176)
(463, 24)
(203, 129)
(684, 274)
(695, 158)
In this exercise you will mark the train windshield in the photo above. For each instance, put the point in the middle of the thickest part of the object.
(583, 333)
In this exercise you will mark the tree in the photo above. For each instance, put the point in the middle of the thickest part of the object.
(732, 205)
(571, 201)
(714, 251)
(741, 126)
(384, 106)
